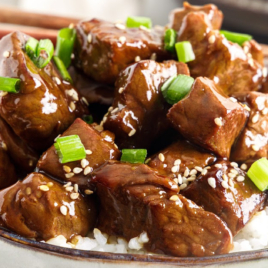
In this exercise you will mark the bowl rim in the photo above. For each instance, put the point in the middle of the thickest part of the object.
(87, 255)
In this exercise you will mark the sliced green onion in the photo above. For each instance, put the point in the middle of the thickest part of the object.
(46, 46)
(9, 84)
(170, 40)
(258, 173)
(62, 69)
(134, 156)
(238, 38)
(177, 89)
(31, 47)
(70, 148)
(88, 119)
(136, 22)
(65, 44)
(166, 85)
(184, 51)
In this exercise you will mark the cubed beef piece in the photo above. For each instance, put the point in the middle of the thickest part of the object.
(218, 59)
(252, 143)
(40, 208)
(99, 147)
(139, 110)
(45, 105)
(226, 191)
(181, 158)
(134, 199)
(207, 117)
(254, 50)
(214, 14)
(103, 48)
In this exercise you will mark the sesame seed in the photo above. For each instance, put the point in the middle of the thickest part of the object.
(67, 184)
(50, 184)
(114, 110)
(147, 160)
(264, 72)
(71, 26)
(122, 39)
(132, 132)
(179, 179)
(183, 179)
(249, 55)
(264, 111)
(225, 177)
(177, 162)
(251, 62)
(234, 164)
(69, 175)
(57, 80)
(88, 192)
(224, 184)
(88, 152)
(176, 180)
(120, 26)
(244, 166)
(120, 90)
(67, 169)
(69, 188)
(30, 163)
(6, 54)
(28, 190)
(204, 171)
(4, 146)
(74, 195)
(72, 106)
(72, 93)
(218, 121)
(193, 172)
(89, 38)
(84, 163)
(198, 168)
(218, 165)
(98, 128)
(85, 100)
(240, 178)
(77, 170)
(87, 170)
(44, 188)
(186, 172)
(192, 178)
(115, 146)
(76, 188)
(232, 175)
(175, 169)
(255, 118)
(110, 108)
(233, 99)
(137, 58)
(161, 157)
(231, 183)
(212, 39)
(234, 171)
(255, 148)
(246, 49)
(207, 167)
(183, 186)
(212, 182)
(174, 198)
(63, 210)
(3, 93)
(104, 119)
(144, 28)
(246, 107)
(153, 56)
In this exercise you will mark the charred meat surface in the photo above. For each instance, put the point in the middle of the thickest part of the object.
(207, 117)
(99, 146)
(133, 199)
(218, 59)
(180, 156)
(103, 49)
(138, 114)
(226, 191)
(40, 208)
(214, 14)
(45, 104)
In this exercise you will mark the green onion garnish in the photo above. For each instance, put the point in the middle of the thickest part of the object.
(177, 88)
(170, 40)
(88, 119)
(62, 69)
(31, 47)
(258, 173)
(136, 22)
(46, 46)
(9, 84)
(65, 44)
(236, 37)
(184, 51)
(166, 85)
(70, 148)
(134, 156)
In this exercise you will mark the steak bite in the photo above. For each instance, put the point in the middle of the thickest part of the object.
(226, 191)
(214, 14)
(207, 117)
(254, 50)
(40, 208)
(252, 143)
(218, 59)
(99, 147)
(179, 157)
(45, 104)
(103, 48)
(134, 199)
(138, 114)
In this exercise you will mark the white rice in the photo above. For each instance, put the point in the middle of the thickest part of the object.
(253, 236)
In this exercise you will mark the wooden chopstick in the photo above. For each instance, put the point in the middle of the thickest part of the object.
(17, 16)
